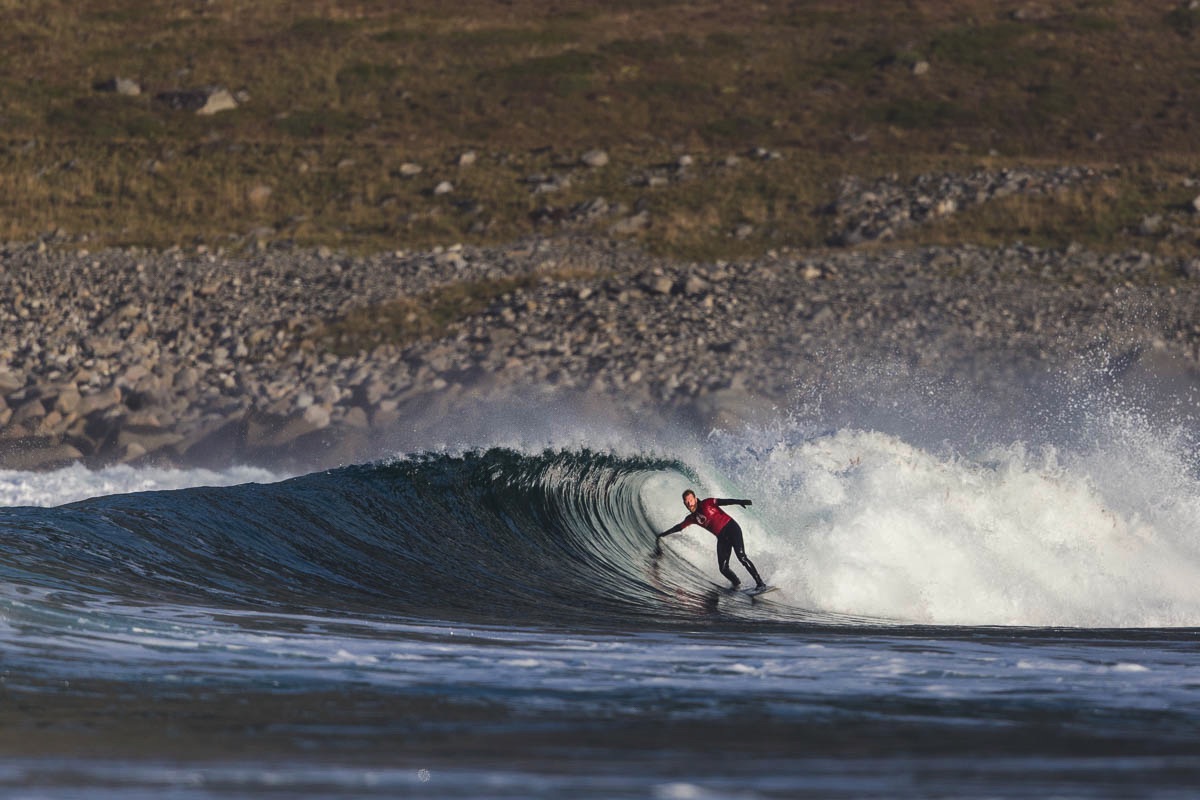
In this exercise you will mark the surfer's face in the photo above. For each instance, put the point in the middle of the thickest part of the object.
(689, 500)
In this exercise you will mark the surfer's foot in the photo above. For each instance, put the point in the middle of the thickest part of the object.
(761, 586)
(735, 585)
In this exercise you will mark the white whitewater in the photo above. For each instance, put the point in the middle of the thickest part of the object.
(863, 523)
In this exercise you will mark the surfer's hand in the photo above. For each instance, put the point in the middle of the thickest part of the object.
(747, 503)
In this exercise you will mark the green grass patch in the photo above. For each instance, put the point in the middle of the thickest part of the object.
(106, 118)
(1053, 98)
(991, 48)
(1183, 20)
(736, 128)
(561, 74)
(320, 124)
(322, 30)
(1086, 23)
(656, 90)
(120, 16)
(809, 18)
(917, 113)
(861, 62)
(658, 48)
(402, 36)
(503, 38)
(362, 77)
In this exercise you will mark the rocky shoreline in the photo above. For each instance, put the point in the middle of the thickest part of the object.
(198, 358)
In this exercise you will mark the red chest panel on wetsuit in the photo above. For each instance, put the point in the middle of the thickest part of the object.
(708, 515)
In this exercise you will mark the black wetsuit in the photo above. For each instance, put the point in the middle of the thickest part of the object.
(730, 541)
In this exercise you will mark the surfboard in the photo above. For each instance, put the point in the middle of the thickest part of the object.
(755, 592)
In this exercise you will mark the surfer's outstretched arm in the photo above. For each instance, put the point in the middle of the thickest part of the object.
(732, 502)
(669, 531)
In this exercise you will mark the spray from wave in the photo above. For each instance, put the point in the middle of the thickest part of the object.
(1070, 502)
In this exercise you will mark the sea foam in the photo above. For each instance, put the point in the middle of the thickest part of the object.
(864, 523)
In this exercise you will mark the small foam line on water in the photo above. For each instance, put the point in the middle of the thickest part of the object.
(77, 482)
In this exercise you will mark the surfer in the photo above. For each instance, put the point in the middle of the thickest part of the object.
(707, 514)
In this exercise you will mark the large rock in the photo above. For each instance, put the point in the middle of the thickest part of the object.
(68, 401)
(10, 382)
(100, 401)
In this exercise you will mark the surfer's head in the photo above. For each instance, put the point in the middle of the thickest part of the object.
(689, 500)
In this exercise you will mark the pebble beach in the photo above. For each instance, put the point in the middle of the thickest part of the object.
(187, 357)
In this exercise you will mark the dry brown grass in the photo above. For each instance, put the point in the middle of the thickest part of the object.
(342, 94)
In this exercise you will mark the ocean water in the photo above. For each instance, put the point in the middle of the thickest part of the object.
(967, 617)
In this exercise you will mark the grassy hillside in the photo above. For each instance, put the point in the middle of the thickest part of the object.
(339, 101)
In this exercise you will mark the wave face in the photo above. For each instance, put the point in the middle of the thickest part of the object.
(851, 525)
(491, 537)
